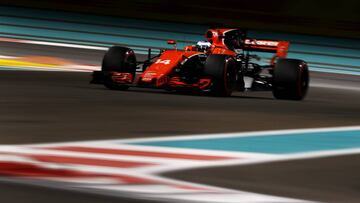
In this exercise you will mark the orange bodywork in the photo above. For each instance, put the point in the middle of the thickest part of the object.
(216, 37)
(280, 48)
(158, 72)
(217, 42)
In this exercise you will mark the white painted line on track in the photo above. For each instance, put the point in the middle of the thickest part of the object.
(7, 57)
(241, 134)
(162, 189)
(168, 189)
(332, 86)
(253, 158)
(56, 44)
(52, 69)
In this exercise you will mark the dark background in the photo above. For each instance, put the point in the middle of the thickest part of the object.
(320, 17)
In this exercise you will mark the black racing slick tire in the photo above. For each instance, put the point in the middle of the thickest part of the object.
(120, 60)
(222, 70)
(291, 79)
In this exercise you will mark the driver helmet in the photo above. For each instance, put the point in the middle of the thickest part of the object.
(203, 46)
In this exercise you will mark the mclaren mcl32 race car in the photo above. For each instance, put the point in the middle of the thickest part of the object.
(219, 66)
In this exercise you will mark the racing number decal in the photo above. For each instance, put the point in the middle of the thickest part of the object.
(166, 62)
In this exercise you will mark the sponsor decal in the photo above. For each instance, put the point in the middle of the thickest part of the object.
(148, 76)
(261, 42)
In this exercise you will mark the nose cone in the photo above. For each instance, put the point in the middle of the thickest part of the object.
(158, 71)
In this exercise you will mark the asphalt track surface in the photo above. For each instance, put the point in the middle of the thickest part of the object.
(37, 107)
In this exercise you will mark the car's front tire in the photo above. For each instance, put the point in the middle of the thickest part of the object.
(118, 60)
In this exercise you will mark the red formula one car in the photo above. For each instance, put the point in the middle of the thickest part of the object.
(218, 66)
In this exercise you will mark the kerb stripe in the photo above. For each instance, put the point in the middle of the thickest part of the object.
(139, 153)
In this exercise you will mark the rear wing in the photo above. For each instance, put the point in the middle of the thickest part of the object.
(280, 48)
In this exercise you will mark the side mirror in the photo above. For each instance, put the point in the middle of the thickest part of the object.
(172, 42)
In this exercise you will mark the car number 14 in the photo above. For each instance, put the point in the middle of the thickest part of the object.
(166, 62)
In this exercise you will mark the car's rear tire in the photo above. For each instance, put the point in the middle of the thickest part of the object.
(222, 70)
(120, 60)
(291, 79)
